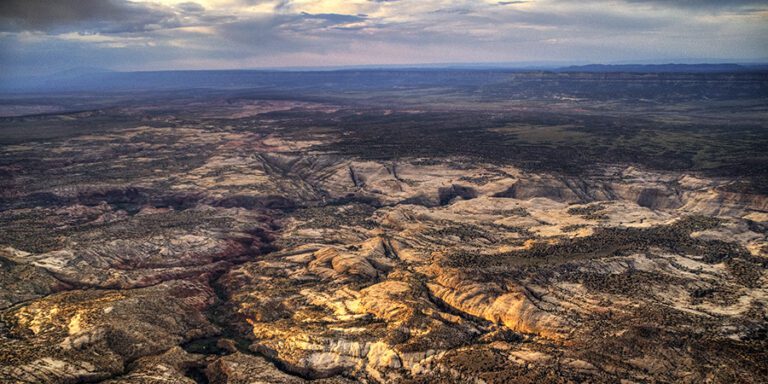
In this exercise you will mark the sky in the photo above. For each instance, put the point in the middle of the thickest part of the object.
(46, 36)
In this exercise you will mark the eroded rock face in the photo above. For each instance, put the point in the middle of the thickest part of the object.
(261, 260)
(500, 288)
(173, 366)
(91, 335)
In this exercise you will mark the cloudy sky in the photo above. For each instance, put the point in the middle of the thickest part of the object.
(44, 36)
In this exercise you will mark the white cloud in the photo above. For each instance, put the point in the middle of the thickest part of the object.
(251, 33)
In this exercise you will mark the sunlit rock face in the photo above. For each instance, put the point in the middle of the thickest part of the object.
(265, 258)
(92, 335)
(505, 288)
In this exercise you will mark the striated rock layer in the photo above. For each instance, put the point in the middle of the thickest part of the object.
(262, 259)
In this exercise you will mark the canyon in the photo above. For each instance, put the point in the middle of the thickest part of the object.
(274, 240)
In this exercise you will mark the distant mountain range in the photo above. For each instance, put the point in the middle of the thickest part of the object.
(97, 79)
(663, 68)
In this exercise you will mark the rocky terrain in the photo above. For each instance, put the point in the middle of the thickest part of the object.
(244, 243)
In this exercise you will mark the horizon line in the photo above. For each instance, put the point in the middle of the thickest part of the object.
(520, 65)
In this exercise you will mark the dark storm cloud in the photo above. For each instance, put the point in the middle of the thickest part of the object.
(191, 7)
(334, 18)
(455, 11)
(102, 16)
(263, 30)
(709, 5)
(595, 20)
(283, 32)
